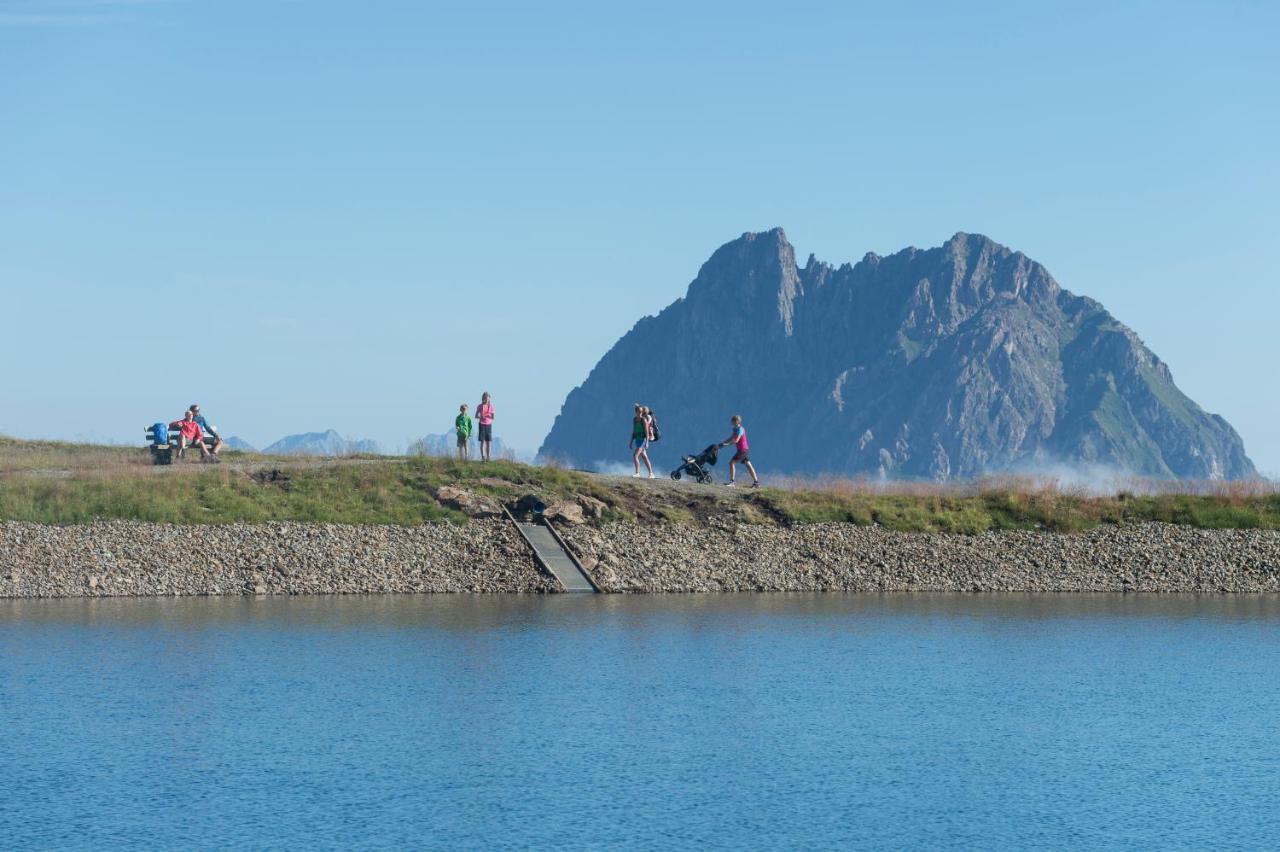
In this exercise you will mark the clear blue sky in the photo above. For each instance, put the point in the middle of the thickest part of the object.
(357, 215)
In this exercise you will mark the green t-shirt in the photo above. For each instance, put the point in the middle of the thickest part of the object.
(463, 423)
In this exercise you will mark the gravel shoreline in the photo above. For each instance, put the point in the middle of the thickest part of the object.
(128, 558)
(844, 557)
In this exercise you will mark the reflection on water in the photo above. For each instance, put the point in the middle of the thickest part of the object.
(481, 612)
(588, 721)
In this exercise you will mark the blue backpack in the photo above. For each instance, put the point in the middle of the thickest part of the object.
(160, 434)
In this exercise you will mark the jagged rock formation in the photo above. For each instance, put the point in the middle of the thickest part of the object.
(328, 443)
(941, 363)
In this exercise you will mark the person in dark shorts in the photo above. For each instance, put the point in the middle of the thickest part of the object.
(462, 426)
(739, 439)
(484, 419)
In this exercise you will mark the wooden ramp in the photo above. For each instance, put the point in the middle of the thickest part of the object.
(553, 555)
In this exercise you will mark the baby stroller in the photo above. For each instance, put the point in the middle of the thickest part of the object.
(699, 466)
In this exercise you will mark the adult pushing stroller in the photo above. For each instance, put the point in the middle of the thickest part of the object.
(699, 467)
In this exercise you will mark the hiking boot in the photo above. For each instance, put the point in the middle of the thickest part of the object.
(755, 484)
(730, 485)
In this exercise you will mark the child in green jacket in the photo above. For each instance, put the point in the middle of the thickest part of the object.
(462, 426)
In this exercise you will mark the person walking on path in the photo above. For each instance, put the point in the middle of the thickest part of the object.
(484, 415)
(462, 425)
(739, 438)
(640, 442)
(189, 435)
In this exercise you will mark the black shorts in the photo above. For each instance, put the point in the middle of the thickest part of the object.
(486, 433)
(741, 456)
(462, 440)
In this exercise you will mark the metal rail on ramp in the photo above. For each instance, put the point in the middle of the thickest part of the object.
(554, 555)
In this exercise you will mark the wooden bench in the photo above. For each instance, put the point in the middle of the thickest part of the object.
(166, 453)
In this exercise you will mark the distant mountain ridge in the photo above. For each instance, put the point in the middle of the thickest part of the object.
(327, 443)
(446, 444)
(941, 363)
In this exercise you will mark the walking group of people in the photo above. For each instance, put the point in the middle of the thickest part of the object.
(192, 429)
(644, 431)
(462, 426)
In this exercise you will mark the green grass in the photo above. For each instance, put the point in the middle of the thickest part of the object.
(1005, 509)
(378, 493)
(337, 494)
(66, 484)
(908, 513)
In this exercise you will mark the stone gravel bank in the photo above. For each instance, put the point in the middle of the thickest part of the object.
(131, 558)
(821, 557)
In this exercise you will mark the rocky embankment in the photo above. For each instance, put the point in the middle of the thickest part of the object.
(132, 558)
(842, 557)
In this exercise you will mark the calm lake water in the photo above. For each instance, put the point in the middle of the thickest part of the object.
(735, 721)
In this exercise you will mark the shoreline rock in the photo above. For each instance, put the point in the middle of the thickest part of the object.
(131, 558)
(719, 557)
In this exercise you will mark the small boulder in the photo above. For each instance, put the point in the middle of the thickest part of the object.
(565, 511)
(592, 507)
(451, 496)
(495, 482)
(471, 505)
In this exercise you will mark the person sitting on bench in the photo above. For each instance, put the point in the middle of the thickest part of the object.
(189, 435)
(208, 430)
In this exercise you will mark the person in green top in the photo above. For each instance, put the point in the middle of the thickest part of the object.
(640, 435)
(462, 426)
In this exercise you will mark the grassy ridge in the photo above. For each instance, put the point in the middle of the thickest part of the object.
(64, 483)
(53, 483)
(995, 508)
(337, 494)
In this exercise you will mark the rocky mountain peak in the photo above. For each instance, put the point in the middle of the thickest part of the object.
(757, 270)
(947, 362)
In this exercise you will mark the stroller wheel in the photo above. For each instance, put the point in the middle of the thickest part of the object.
(675, 474)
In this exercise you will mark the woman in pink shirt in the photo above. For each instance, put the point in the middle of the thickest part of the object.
(484, 414)
(738, 437)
